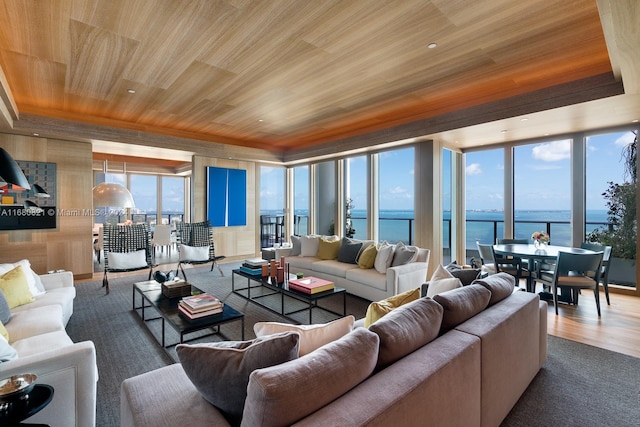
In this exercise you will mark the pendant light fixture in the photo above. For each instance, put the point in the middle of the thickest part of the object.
(110, 194)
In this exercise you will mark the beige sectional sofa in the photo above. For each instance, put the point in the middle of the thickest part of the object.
(374, 283)
(446, 361)
(39, 344)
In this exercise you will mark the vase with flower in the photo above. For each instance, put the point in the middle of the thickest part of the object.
(540, 239)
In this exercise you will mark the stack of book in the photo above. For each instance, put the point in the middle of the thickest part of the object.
(253, 266)
(311, 285)
(202, 305)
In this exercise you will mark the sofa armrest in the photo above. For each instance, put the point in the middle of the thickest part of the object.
(405, 277)
(282, 252)
(61, 279)
(73, 374)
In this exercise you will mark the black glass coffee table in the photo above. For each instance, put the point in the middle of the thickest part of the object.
(167, 308)
(282, 289)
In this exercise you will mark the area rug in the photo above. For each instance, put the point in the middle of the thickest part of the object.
(579, 385)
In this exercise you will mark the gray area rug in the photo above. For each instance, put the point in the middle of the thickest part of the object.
(579, 385)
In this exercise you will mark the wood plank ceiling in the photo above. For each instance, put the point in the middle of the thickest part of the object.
(283, 75)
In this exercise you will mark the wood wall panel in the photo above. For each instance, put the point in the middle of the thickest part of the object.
(68, 246)
(234, 242)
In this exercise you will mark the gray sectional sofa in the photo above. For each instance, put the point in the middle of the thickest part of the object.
(39, 344)
(447, 361)
(373, 283)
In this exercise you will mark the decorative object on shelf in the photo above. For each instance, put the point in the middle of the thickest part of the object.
(14, 391)
(540, 239)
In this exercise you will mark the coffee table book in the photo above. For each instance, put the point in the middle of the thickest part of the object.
(198, 314)
(201, 301)
(311, 285)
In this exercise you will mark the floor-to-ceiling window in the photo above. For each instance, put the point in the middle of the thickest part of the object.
(396, 195)
(447, 192)
(356, 195)
(301, 200)
(542, 190)
(144, 189)
(272, 202)
(172, 200)
(484, 176)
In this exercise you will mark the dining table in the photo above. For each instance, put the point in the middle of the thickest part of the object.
(533, 253)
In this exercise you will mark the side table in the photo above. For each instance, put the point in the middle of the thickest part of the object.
(39, 398)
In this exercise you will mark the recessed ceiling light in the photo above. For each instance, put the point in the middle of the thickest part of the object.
(524, 119)
(131, 90)
(260, 120)
(503, 131)
(432, 45)
(36, 134)
(634, 121)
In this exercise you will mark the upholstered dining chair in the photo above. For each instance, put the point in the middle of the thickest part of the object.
(492, 264)
(577, 271)
(161, 238)
(126, 248)
(195, 245)
(604, 271)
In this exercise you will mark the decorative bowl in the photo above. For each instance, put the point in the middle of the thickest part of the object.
(16, 387)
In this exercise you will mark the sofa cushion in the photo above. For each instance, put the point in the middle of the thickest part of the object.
(383, 257)
(41, 343)
(379, 309)
(296, 246)
(220, 371)
(33, 280)
(35, 321)
(5, 311)
(58, 296)
(406, 329)
(7, 352)
(462, 304)
(368, 277)
(15, 288)
(404, 254)
(283, 394)
(349, 250)
(309, 245)
(312, 337)
(333, 267)
(328, 248)
(501, 286)
(368, 257)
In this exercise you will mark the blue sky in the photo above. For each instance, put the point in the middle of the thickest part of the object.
(542, 177)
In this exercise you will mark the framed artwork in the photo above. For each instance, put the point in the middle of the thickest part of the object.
(226, 197)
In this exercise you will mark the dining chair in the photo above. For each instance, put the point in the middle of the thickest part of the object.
(161, 238)
(98, 241)
(126, 248)
(195, 245)
(577, 271)
(492, 264)
(604, 271)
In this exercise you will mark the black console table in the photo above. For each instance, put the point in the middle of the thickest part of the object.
(39, 398)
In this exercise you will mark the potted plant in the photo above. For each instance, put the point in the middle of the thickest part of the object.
(621, 234)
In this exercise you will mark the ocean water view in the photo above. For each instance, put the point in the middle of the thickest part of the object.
(482, 225)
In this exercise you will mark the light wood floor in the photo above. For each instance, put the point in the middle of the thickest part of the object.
(618, 329)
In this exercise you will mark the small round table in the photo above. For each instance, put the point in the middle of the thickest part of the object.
(39, 398)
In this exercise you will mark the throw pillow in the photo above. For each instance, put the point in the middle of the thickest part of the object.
(443, 285)
(127, 260)
(309, 245)
(312, 337)
(406, 329)
(283, 394)
(501, 286)
(220, 371)
(328, 248)
(440, 273)
(383, 257)
(5, 311)
(403, 254)
(368, 257)
(193, 253)
(33, 280)
(3, 332)
(349, 250)
(466, 275)
(462, 304)
(7, 352)
(296, 246)
(377, 310)
(13, 285)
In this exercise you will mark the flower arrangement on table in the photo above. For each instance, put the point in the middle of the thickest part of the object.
(540, 237)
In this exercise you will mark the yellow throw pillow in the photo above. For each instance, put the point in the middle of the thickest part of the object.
(328, 248)
(4, 332)
(15, 287)
(368, 257)
(377, 310)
